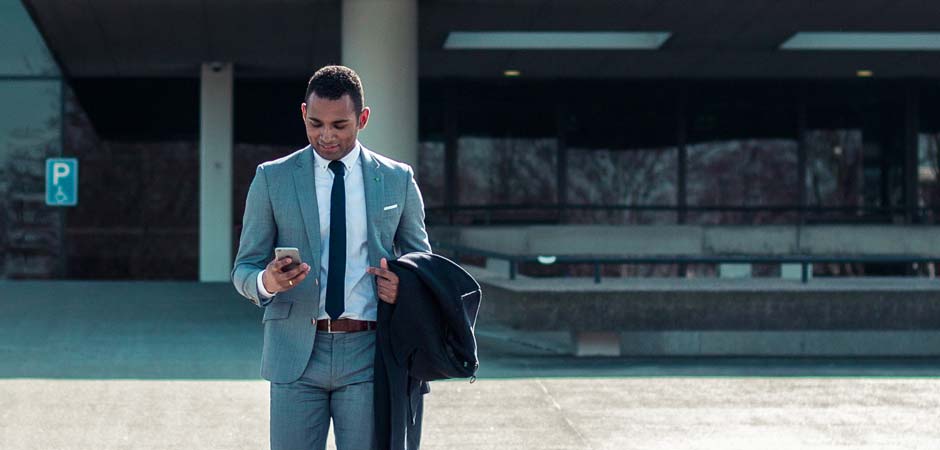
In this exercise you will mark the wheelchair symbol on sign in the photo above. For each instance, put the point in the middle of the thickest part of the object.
(60, 170)
(60, 196)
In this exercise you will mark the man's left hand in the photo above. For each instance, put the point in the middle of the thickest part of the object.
(386, 282)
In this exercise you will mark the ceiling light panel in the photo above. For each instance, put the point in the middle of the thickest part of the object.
(555, 40)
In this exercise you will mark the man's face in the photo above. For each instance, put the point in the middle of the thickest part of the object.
(333, 125)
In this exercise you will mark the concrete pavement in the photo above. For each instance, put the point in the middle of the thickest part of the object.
(175, 365)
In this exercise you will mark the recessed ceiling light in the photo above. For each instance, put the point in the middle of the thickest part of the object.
(861, 41)
(512, 73)
(864, 73)
(555, 40)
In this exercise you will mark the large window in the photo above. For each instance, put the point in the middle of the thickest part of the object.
(928, 153)
(430, 173)
(501, 152)
(855, 151)
(700, 152)
(23, 52)
(834, 170)
(138, 210)
(743, 150)
(506, 171)
(30, 131)
(504, 142)
(622, 158)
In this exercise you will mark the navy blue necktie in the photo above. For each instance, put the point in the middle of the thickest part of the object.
(336, 271)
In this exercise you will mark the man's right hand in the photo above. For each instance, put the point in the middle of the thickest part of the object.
(277, 281)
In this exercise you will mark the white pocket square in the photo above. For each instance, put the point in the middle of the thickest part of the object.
(390, 207)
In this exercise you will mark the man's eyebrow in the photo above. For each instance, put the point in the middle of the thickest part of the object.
(335, 121)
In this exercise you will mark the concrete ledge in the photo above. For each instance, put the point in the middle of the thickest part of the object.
(614, 240)
(781, 343)
(891, 317)
(870, 239)
(510, 240)
(695, 240)
(809, 343)
(574, 304)
(750, 240)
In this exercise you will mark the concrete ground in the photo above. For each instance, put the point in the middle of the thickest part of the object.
(175, 365)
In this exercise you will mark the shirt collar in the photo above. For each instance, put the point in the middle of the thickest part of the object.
(349, 161)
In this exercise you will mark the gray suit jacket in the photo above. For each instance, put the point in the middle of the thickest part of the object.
(281, 211)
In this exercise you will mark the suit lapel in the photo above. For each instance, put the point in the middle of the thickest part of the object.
(309, 210)
(374, 186)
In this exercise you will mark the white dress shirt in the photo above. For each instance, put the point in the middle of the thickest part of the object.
(361, 300)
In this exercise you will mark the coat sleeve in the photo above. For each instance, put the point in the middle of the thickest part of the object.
(255, 245)
(412, 235)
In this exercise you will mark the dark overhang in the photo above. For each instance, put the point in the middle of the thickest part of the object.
(289, 38)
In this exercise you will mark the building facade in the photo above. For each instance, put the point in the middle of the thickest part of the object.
(721, 123)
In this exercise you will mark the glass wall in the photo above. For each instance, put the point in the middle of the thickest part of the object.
(928, 153)
(501, 152)
(622, 154)
(23, 53)
(743, 153)
(489, 150)
(855, 151)
(430, 173)
(30, 131)
(506, 171)
(138, 210)
(700, 152)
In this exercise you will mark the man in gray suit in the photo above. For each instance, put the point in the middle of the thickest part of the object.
(347, 210)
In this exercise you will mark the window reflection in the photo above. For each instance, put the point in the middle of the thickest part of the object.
(928, 167)
(747, 172)
(430, 174)
(23, 51)
(635, 177)
(834, 169)
(30, 132)
(507, 171)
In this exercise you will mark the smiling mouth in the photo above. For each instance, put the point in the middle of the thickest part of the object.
(328, 147)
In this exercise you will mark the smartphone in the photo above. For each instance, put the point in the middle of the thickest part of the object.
(284, 252)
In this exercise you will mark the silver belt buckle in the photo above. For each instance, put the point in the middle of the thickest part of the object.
(329, 327)
(329, 324)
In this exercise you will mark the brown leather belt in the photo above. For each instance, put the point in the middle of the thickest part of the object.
(344, 325)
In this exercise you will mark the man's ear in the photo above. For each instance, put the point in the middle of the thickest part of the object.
(303, 111)
(364, 117)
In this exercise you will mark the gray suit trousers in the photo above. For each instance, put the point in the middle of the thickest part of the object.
(337, 384)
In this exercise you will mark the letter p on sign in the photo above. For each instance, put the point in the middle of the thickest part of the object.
(59, 170)
(61, 181)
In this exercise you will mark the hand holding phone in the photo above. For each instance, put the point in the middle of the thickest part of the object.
(288, 252)
(285, 271)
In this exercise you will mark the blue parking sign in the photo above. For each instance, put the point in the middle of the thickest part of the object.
(61, 181)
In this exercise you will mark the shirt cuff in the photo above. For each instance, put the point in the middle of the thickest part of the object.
(262, 292)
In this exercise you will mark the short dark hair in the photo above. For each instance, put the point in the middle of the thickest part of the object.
(331, 82)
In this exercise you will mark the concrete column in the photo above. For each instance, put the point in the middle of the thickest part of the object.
(215, 172)
(380, 42)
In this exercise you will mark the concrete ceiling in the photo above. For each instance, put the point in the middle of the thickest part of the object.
(289, 38)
